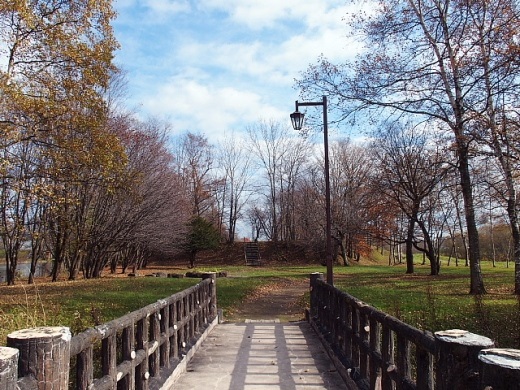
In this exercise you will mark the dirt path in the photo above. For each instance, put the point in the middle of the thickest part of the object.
(283, 300)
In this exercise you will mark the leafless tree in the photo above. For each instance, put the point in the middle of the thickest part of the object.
(282, 156)
(351, 197)
(235, 164)
(430, 60)
(194, 161)
(412, 168)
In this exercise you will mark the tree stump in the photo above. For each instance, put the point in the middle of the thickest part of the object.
(458, 362)
(8, 368)
(500, 368)
(44, 355)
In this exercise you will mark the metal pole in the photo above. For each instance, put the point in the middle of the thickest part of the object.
(330, 272)
(328, 228)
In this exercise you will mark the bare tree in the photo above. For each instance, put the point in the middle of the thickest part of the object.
(352, 201)
(282, 156)
(268, 144)
(146, 211)
(195, 164)
(411, 170)
(427, 59)
(235, 164)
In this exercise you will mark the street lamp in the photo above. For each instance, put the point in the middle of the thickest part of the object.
(297, 118)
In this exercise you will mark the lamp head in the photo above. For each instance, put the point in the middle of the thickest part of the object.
(297, 120)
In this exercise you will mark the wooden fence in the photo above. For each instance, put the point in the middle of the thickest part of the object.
(373, 350)
(140, 350)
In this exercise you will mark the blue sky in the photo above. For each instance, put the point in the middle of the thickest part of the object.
(216, 66)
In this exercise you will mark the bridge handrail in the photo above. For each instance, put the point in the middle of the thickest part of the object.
(373, 350)
(130, 352)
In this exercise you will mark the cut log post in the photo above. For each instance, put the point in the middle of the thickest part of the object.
(213, 289)
(44, 355)
(8, 368)
(500, 369)
(458, 365)
(314, 277)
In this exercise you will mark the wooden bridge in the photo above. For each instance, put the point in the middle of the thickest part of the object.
(178, 339)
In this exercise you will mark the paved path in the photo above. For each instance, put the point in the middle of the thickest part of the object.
(261, 355)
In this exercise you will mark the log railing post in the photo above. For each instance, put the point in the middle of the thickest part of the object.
(375, 347)
(165, 330)
(142, 374)
(155, 337)
(174, 343)
(458, 364)
(387, 354)
(44, 354)
(335, 317)
(191, 316)
(213, 292)
(355, 336)
(109, 357)
(181, 312)
(8, 368)
(499, 368)
(314, 277)
(349, 336)
(344, 325)
(85, 368)
(425, 378)
(128, 352)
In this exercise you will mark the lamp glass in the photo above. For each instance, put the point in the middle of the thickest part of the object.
(297, 120)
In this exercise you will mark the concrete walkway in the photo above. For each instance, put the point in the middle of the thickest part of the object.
(261, 355)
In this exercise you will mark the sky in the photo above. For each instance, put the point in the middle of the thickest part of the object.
(214, 67)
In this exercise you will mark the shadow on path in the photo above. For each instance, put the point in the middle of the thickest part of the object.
(261, 355)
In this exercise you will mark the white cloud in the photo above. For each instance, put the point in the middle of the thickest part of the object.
(209, 69)
(191, 105)
(258, 15)
(264, 62)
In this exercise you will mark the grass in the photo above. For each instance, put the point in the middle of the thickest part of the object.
(431, 303)
(80, 304)
(441, 302)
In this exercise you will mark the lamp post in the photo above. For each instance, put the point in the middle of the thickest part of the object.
(297, 118)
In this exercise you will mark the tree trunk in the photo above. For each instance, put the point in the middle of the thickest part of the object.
(409, 246)
(343, 248)
(515, 232)
(476, 281)
(10, 268)
(193, 255)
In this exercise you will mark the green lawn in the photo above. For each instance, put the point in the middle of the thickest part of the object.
(432, 303)
(441, 302)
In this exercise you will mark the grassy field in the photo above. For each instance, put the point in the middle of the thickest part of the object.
(441, 302)
(432, 303)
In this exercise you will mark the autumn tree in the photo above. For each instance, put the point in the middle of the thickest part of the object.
(15, 200)
(429, 60)
(57, 59)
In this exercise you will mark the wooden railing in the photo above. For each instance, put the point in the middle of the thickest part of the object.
(137, 351)
(373, 350)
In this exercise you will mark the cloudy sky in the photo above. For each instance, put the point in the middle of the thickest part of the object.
(215, 66)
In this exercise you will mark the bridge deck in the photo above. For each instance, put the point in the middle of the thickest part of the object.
(261, 355)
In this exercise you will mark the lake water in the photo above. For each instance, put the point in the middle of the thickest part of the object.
(23, 270)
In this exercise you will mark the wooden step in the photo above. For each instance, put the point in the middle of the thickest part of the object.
(252, 253)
